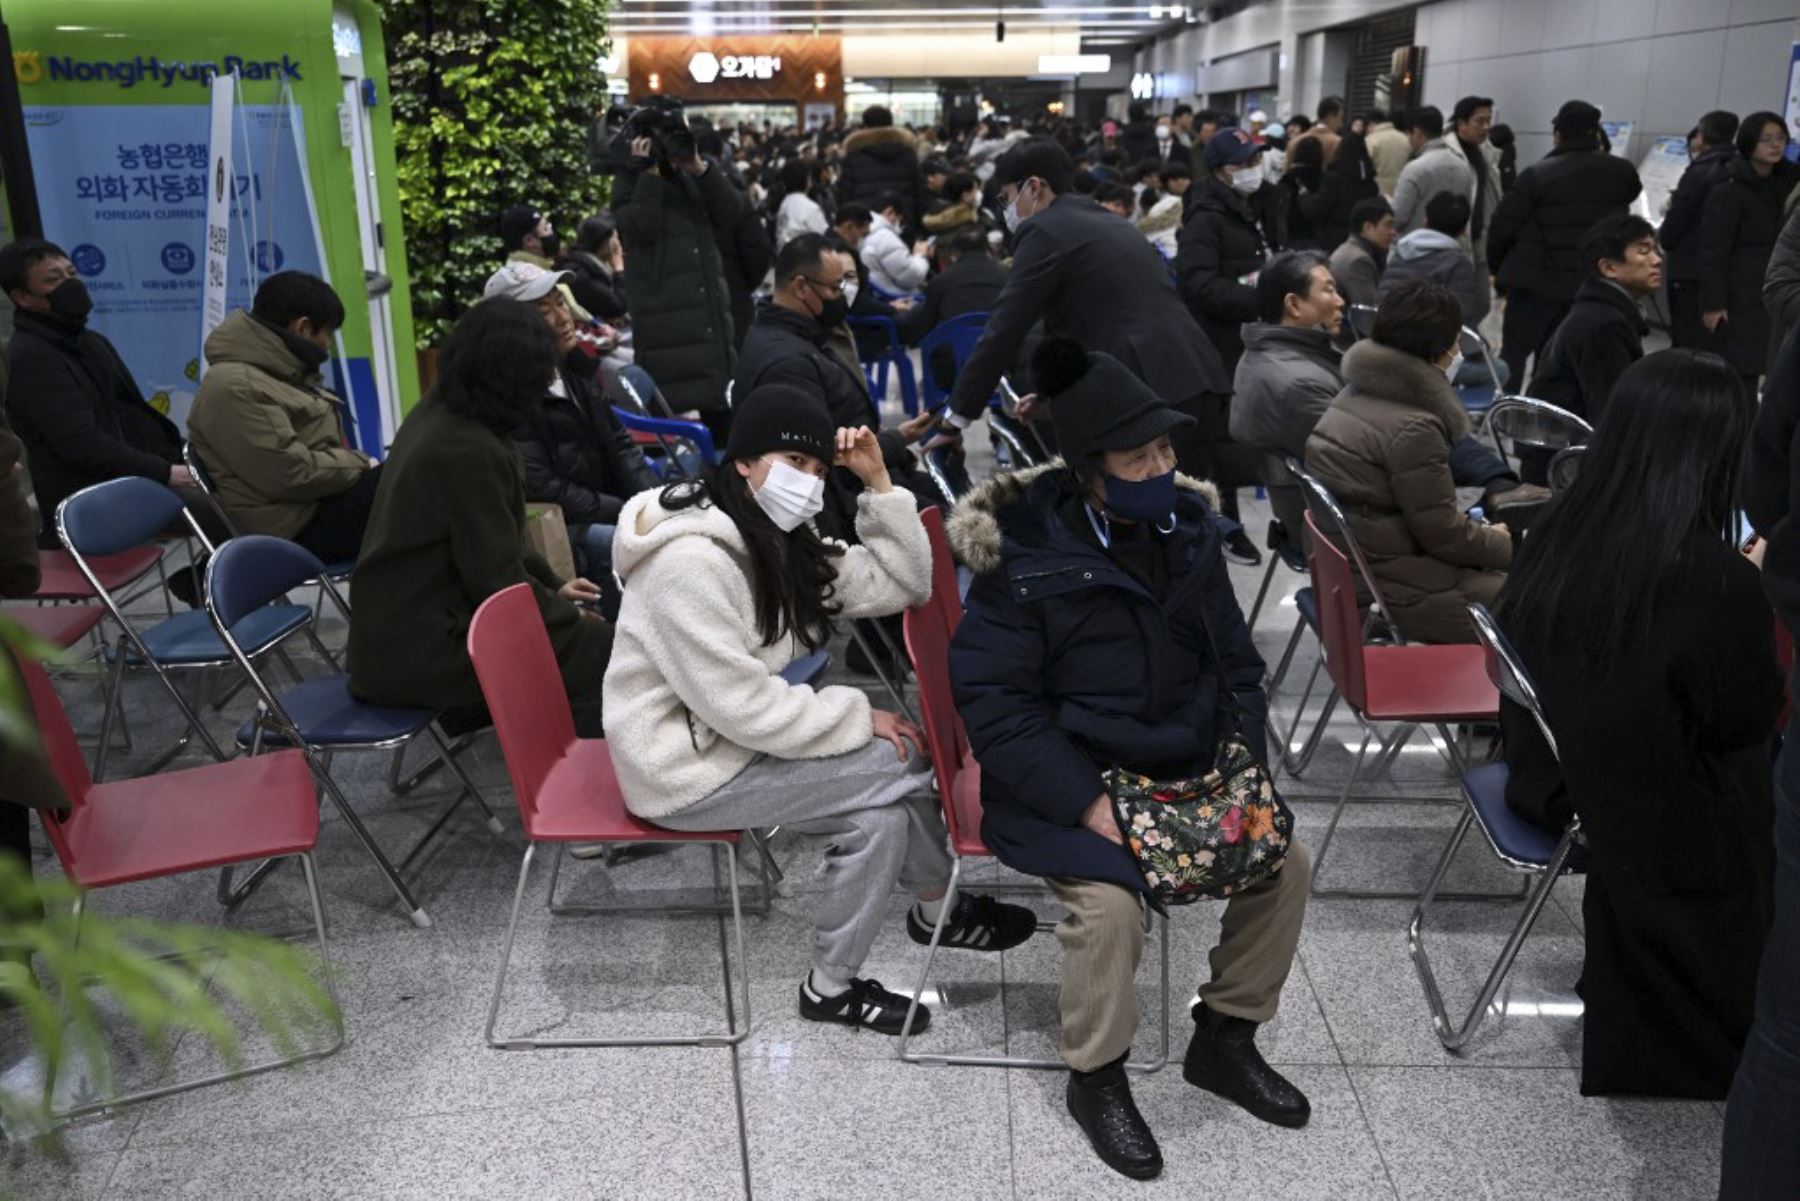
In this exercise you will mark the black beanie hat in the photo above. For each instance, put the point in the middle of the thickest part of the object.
(1096, 402)
(780, 417)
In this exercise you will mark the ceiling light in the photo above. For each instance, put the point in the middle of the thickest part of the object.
(1074, 64)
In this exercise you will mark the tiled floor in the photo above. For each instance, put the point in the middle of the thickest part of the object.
(417, 1106)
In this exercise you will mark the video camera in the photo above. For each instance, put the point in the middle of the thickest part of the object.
(660, 119)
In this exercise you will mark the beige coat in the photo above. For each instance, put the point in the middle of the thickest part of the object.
(1383, 449)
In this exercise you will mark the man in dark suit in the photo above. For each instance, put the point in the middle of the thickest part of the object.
(1095, 278)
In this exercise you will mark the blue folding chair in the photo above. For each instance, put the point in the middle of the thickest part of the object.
(893, 354)
(1478, 399)
(119, 515)
(959, 335)
(319, 716)
(1515, 842)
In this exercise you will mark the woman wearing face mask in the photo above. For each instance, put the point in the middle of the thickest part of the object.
(726, 582)
(1233, 225)
(1383, 449)
(1102, 630)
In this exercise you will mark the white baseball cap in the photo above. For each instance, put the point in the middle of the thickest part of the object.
(522, 281)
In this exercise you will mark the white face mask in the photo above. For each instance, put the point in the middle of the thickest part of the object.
(790, 497)
(850, 289)
(1247, 180)
(1456, 362)
(1014, 218)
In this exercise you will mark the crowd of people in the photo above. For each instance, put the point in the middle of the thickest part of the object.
(1186, 305)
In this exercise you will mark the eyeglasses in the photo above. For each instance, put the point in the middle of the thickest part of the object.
(836, 289)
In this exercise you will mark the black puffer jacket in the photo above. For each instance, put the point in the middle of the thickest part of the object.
(1680, 231)
(597, 287)
(1534, 242)
(884, 159)
(80, 414)
(1737, 235)
(1224, 238)
(577, 455)
(747, 253)
(679, 300)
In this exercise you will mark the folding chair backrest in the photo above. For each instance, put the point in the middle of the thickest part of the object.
(928, 643)
(117, 515)
(1361, 318)
(1340, 617)
(255, 570)
(1507, 670)
(1328, 515)
(1538, 423)
(524, 690)
(1565, 465)
(959, 334)
(946, 597)
(61, 750)
(642, 390)
(204, 479)
(691, 432)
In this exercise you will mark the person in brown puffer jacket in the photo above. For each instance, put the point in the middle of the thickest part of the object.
(1383, 449)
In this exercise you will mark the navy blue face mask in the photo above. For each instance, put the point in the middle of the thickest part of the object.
(1141, 500)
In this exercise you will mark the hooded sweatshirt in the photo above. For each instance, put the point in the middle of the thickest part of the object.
(692, 694)
(1440, 258)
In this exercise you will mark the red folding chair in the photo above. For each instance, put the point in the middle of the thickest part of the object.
(946, 590)
(568, 793)
(61, 580)
(194, 820)
(1399, 682)
(927, 629)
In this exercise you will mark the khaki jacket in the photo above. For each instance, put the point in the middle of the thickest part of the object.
(270, 436)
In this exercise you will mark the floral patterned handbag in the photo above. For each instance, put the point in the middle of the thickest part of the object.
(1210, 836)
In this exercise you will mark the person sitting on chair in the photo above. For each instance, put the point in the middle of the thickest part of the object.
(1102, 630)
(727, 582)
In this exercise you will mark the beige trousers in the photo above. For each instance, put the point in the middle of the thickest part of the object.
(1103, 942)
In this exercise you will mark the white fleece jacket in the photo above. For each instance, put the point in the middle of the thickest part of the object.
(691, 694)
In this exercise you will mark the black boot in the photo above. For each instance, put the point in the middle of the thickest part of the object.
(1101, 1104)
(1223, 1059)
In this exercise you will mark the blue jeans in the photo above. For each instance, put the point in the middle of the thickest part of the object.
(1762, 1116)
(592, 545)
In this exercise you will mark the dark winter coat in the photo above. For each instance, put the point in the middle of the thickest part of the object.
(676, 290)
(1383, 449)
(597, 288)
(1534, 241)
(1224, 238)
(1429, 255)
(1064, 664)
(1666, 758)
(80, 414)
(1781, 286)
(1137, 142)
(747, 253)
(446, 533)
(1095, 278)
(576, 454)
(18, 526)
(1327, 210)
(969, 285)
(882, 160)
(1771, 473)
(1738, 232)
(785, 347)
(1602, 336)
(1680, 230)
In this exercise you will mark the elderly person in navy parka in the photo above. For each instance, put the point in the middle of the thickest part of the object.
(1088, 642)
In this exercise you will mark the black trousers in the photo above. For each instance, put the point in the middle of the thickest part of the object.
(1685, 329)
(335, 532)
(1205, 450)
(1529, 322)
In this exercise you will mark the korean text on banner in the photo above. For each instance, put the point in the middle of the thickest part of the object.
(218, 209)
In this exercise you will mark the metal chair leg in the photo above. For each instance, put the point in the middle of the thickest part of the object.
(1263, 591)
(875, 663)
(113, 703)
(417, 913)
(1273, 683)
(449, 758)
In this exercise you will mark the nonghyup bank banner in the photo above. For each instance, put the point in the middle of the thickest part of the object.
(123, 190)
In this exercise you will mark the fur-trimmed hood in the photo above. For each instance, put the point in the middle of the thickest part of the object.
(1009, 505)
(880, 138)
(1394, 375)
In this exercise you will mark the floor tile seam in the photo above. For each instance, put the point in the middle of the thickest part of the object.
(1374, 1139)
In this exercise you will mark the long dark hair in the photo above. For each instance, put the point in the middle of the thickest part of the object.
(497, 364)
(792, 575)
(1661, 470)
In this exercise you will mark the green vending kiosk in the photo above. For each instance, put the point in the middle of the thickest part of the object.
(117, 104)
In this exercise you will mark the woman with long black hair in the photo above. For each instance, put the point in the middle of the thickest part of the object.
(1652, 648)
(726, 582)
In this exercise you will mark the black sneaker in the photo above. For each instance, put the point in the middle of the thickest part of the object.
(1223, 1059)
(1101, 1104)
(977, 924)
(1239, 549)
(864, 1003)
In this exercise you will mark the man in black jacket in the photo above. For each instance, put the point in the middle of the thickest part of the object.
(1093, 277)
(970, 283)
(1534, 244)
(879, 158)
(1604, 331)
(72, 400)
(1681, 224)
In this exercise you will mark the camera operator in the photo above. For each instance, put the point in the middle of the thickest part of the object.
(673, 208)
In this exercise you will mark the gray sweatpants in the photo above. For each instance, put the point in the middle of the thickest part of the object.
(884, 824)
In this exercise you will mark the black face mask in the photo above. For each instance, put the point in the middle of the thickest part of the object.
(834, 312)
(312, 356)
(551, 245)
(70, 299)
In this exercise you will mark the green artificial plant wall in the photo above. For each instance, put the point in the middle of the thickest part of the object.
(492, 104)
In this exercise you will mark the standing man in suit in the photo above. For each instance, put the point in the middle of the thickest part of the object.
(1095, 278)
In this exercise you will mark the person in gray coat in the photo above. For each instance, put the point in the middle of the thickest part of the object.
(1437, 253)
(1435, 168)
(1781, 284)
